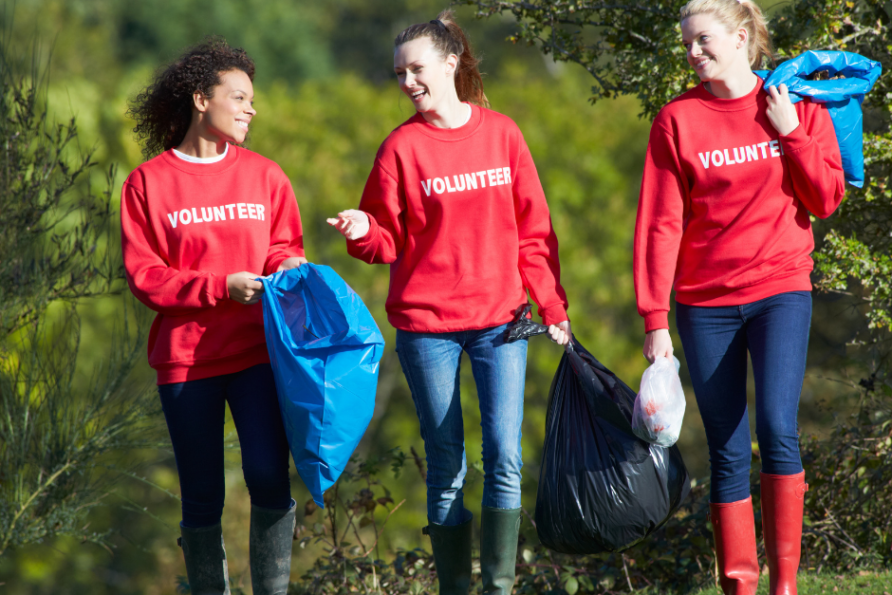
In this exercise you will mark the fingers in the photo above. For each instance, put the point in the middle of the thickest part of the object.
(560, 333)
(243, 288)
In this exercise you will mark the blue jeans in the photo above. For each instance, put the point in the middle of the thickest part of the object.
(716, 340)
(430, 362)
(195, 410)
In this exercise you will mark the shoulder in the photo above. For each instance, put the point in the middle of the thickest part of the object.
(494, 119)
(255, 160)
(157, 165)
(679, 109)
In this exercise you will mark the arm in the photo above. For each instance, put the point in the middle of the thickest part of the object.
(383, 202)
(538, 260)
(658, 228)
(286, 239)
(164, 289)
(812, 151)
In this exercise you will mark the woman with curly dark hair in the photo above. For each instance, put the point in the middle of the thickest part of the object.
(201, 220)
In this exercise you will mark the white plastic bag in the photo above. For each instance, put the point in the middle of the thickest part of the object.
(659, 406)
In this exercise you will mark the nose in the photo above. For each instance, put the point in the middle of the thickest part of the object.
(694, 51)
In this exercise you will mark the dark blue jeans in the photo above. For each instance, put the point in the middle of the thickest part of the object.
(716, 340)
(195, 410)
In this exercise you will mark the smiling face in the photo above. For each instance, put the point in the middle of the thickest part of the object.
(714, 52)
(424, 75)
(228, 113)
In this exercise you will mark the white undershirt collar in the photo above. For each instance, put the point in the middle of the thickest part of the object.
(192, 159)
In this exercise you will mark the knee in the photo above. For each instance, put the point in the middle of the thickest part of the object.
(202, 512)
(502, 459)
(269, 484)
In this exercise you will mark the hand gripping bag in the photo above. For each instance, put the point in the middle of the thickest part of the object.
(324, 347)
(660, 404)
(601, 488)
(843, 97)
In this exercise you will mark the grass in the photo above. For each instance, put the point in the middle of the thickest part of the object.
(863, 582)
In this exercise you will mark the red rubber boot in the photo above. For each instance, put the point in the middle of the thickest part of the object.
(734, 530)
(783, 497)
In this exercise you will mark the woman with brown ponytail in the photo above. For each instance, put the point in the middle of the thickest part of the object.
(731, 175)
(455, 207)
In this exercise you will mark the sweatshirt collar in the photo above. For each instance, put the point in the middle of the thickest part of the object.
(203, 169)
(728, 105)
(450, 134)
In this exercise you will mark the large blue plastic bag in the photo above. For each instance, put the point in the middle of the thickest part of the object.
(324, 347)
(843, 97)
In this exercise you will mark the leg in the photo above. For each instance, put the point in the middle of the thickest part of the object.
(430, 362)
(499, 371)
(715, 348)
(195, 412)
(255, 410)
(778, 338)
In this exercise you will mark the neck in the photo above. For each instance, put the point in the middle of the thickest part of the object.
(733, 87)
(451, 114)
(199, 142)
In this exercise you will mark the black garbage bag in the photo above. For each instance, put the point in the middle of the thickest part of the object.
(601, 488)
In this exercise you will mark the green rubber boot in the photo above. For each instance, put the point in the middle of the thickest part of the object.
(498, 548)
(452, 556)
(205, 560)
(272, 532)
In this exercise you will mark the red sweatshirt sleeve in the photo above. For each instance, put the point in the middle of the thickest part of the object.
(538, 261)
(286, 237)
(658, 227)
(384, 203)
(162, 288)
(815, 162)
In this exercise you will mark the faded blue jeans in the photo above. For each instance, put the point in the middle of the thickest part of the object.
(716, 339)
(431, 363)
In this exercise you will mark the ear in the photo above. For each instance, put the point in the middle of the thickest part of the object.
(451, 64)
(742, 37)
(200, 101)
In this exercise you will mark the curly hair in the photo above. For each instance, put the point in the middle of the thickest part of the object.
(163, 110)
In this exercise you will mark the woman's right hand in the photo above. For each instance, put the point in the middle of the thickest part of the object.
(657, 343)
(243, 288)
(353, 224)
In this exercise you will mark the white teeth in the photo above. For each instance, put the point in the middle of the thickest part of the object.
(418, 93)
(242, 125)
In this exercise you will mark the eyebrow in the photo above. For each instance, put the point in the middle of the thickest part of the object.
(408, 65)
(698, 34)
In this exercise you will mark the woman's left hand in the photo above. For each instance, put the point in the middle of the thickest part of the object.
(292, 263)
(560, 333)
(781, 111)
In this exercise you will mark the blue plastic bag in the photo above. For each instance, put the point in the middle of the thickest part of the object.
(843, 97)
(324, 347)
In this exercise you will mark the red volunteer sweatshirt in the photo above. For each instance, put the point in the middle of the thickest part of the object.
(723, 214)
(461, 217)
(185, 227)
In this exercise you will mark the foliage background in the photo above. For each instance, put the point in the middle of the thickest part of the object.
(326, 98)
